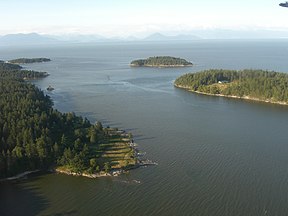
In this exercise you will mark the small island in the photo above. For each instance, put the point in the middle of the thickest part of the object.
(49, 88)
(161, 61)
(28, 60)
(258, 85)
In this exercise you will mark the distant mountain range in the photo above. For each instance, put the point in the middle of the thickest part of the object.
(26, 39)
(161, 37)
(37, 39)
(78, 38)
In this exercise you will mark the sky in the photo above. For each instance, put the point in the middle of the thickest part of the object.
(123, 18)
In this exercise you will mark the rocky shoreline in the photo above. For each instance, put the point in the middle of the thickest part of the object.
(232, 96)
(112, 173)
(94, 175)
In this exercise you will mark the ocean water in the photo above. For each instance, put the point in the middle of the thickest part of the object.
(216, 156)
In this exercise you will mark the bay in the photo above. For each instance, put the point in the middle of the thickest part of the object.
(217, 156)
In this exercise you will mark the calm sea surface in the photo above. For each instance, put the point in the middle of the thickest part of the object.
(217, 156)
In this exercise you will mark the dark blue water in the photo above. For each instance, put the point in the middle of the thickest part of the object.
(217, 156)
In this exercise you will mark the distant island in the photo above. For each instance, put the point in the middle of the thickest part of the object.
(258, 85)
(35, 136)
(161, 61)
(29, 60)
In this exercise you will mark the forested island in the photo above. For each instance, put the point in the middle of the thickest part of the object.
(35, 136)
(161, 61)
(28, 60)
(260, 85)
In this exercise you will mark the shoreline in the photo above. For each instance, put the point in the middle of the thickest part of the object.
(112, 173)
(94, 175)
(233, 96)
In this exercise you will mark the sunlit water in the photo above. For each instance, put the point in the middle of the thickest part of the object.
(216, 156)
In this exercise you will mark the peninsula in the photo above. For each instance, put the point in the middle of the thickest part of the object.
(35, 136)
(258, 85)
(15, 71)
(28, 60)
(161, 61)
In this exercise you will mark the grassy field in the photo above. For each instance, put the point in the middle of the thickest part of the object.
(117, 151)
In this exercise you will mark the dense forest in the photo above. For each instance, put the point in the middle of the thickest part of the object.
(160, 61)
(33, 135)
(258, 84)
(28, 60)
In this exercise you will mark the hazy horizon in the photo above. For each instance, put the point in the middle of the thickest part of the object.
(125, 18)
(154, 36)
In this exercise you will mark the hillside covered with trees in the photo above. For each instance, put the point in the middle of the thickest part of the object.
(260, 85)
(160, 61)
(14, 71)
(34, 135)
